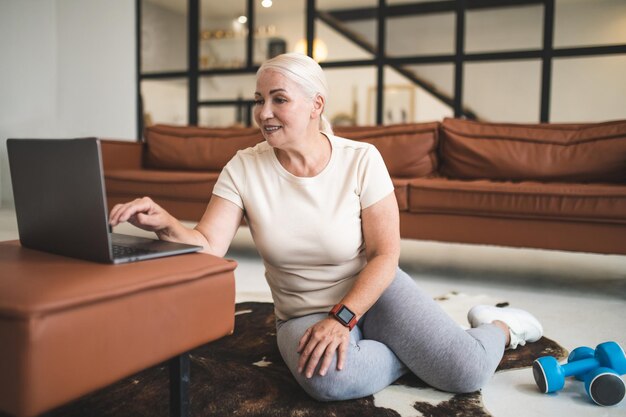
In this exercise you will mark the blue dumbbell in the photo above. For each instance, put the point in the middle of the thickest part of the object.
(579, 353)
(600, 369)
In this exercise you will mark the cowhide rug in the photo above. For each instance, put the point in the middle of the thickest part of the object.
(244, 375)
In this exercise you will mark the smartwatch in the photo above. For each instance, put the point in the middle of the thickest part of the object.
(344, 315)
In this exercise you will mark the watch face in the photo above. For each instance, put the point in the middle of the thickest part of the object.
(345, 315)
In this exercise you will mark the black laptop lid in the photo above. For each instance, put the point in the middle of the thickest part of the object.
(59, 196)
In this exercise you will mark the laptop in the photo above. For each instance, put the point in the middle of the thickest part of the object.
(61, 208)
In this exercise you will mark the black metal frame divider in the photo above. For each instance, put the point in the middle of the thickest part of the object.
(381, 13)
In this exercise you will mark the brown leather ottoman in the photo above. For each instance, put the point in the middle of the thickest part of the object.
(69, 327)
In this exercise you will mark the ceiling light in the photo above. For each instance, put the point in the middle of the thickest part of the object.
(242, 19)
(266, 3)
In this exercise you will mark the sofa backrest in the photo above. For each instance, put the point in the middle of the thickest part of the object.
(583, 152)
(196, 148)
(409, 150)
(587, 152)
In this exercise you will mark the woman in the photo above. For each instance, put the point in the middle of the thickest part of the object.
(324, 217)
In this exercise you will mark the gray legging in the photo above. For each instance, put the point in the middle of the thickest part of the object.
(404, 331)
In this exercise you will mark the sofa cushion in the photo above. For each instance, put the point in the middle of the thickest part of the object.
(592, 152)
(196, 148)
(401, 189)
(409, 150)
(554, 201)
(189, 185)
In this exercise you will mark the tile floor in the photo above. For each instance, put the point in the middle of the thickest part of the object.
(580, 299)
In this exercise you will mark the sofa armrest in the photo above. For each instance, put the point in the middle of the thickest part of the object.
(117, 154)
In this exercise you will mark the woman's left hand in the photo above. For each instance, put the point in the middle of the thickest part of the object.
(321, 341)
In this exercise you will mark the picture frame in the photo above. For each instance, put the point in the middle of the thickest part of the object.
(399, 104)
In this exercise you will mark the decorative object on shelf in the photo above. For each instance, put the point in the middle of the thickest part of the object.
(275, 47)
(212, 58)
(213, 34)
(399, 103)
(225, 48)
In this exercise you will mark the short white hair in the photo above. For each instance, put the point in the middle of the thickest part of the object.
(304, 71)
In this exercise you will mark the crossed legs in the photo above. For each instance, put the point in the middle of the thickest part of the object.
(404, 331)
(370, 365)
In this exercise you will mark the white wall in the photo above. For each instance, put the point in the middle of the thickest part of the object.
(96, 73)
(163, 38)
(589, 88)
(67, 70)
(27, 75)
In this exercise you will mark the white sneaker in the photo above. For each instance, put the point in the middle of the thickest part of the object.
(523, 326)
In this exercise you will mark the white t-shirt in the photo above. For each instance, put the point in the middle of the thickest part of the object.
(307, 229)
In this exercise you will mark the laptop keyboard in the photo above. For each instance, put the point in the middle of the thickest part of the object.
(120, 251)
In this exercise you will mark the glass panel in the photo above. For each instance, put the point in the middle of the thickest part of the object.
(504, 29)
(399, 100)
(227, 87)
(163, 35)
(440, 78)
(278, 29)
(430, 109)
(421, 35)
(348, 102)
(165, 101)
(344, 4)
(503, 91)
(223, 31)
(221, 116)
(337, 28)
(394, 2)
(407, 102)
(339, 44)
(588, 89)
(589, 22)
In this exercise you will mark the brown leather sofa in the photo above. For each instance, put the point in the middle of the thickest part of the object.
(549, 186)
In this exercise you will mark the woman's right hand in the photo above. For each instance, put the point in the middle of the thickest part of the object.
(143, 213)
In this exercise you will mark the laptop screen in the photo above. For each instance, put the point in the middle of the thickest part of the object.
(59, 196)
